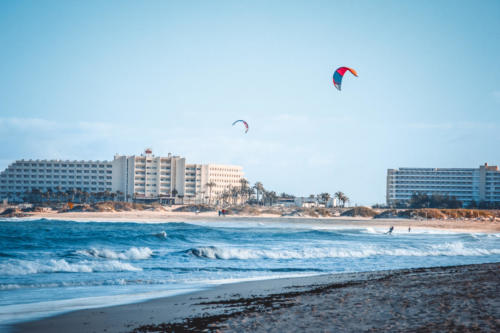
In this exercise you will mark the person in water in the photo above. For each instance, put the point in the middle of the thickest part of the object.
(390, 230)
(409, 229)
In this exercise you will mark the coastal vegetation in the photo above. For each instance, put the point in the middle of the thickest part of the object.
(423, 200)
(248, 200)
(360, 211)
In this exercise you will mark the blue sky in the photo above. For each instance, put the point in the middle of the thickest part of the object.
(88, 79)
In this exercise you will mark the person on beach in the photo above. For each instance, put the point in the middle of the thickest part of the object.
(390, 230)
(409, 229)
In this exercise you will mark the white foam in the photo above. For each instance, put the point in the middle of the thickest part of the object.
(362, 251)
(133, 253)
(162, 235)
(23, 267)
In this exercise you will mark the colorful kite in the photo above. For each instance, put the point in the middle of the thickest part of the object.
(244, 123)
(339, 74)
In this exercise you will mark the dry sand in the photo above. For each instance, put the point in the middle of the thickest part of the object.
(170, 216)
(440, 299)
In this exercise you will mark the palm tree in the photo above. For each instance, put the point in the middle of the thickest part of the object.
(250, 192)
(210, 185)
(325, 197)
(346, 199)
(71, 194)
(49, 194)
(234, 194)
(86, 196)
(243, 189)
(225, 196)
(266, 196)
(339, 196)
(272, 197)
(259, 188)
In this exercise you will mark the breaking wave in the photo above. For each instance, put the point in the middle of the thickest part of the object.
(134, 253)
(161, 235)
(447, 249)
(23, 267)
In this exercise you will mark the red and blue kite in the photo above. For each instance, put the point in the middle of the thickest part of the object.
(244, 123)
(339, 74)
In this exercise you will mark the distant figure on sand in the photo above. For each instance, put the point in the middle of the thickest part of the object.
(409, 229)
(390, 230)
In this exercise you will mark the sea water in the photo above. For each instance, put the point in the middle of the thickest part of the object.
(49, 267)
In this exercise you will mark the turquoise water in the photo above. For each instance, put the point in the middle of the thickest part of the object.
(48, 267)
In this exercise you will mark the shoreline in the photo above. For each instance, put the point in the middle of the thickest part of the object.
(406, 299)
(455, 225)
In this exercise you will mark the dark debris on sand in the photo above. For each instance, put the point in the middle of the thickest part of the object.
(441, 299)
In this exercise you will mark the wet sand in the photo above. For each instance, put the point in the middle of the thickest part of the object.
(439, 299)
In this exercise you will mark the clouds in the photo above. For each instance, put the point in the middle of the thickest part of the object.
(90, 81)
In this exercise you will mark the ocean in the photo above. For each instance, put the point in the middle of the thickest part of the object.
(49, 267)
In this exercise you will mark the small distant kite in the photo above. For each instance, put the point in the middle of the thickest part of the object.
(244, 123)
(339, 74)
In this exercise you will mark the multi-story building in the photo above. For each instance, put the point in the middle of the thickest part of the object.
(223, 176)
(89, 176)
(144, 177)
(466, 184)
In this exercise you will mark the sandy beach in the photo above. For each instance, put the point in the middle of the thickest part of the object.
(171, 216)
(439, 299)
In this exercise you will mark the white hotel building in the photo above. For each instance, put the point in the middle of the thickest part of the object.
(466, 184)
(144, 177)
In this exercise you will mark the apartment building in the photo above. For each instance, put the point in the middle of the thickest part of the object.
(57, 175)
(224, 177)
(138, 177)
(466, 184)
